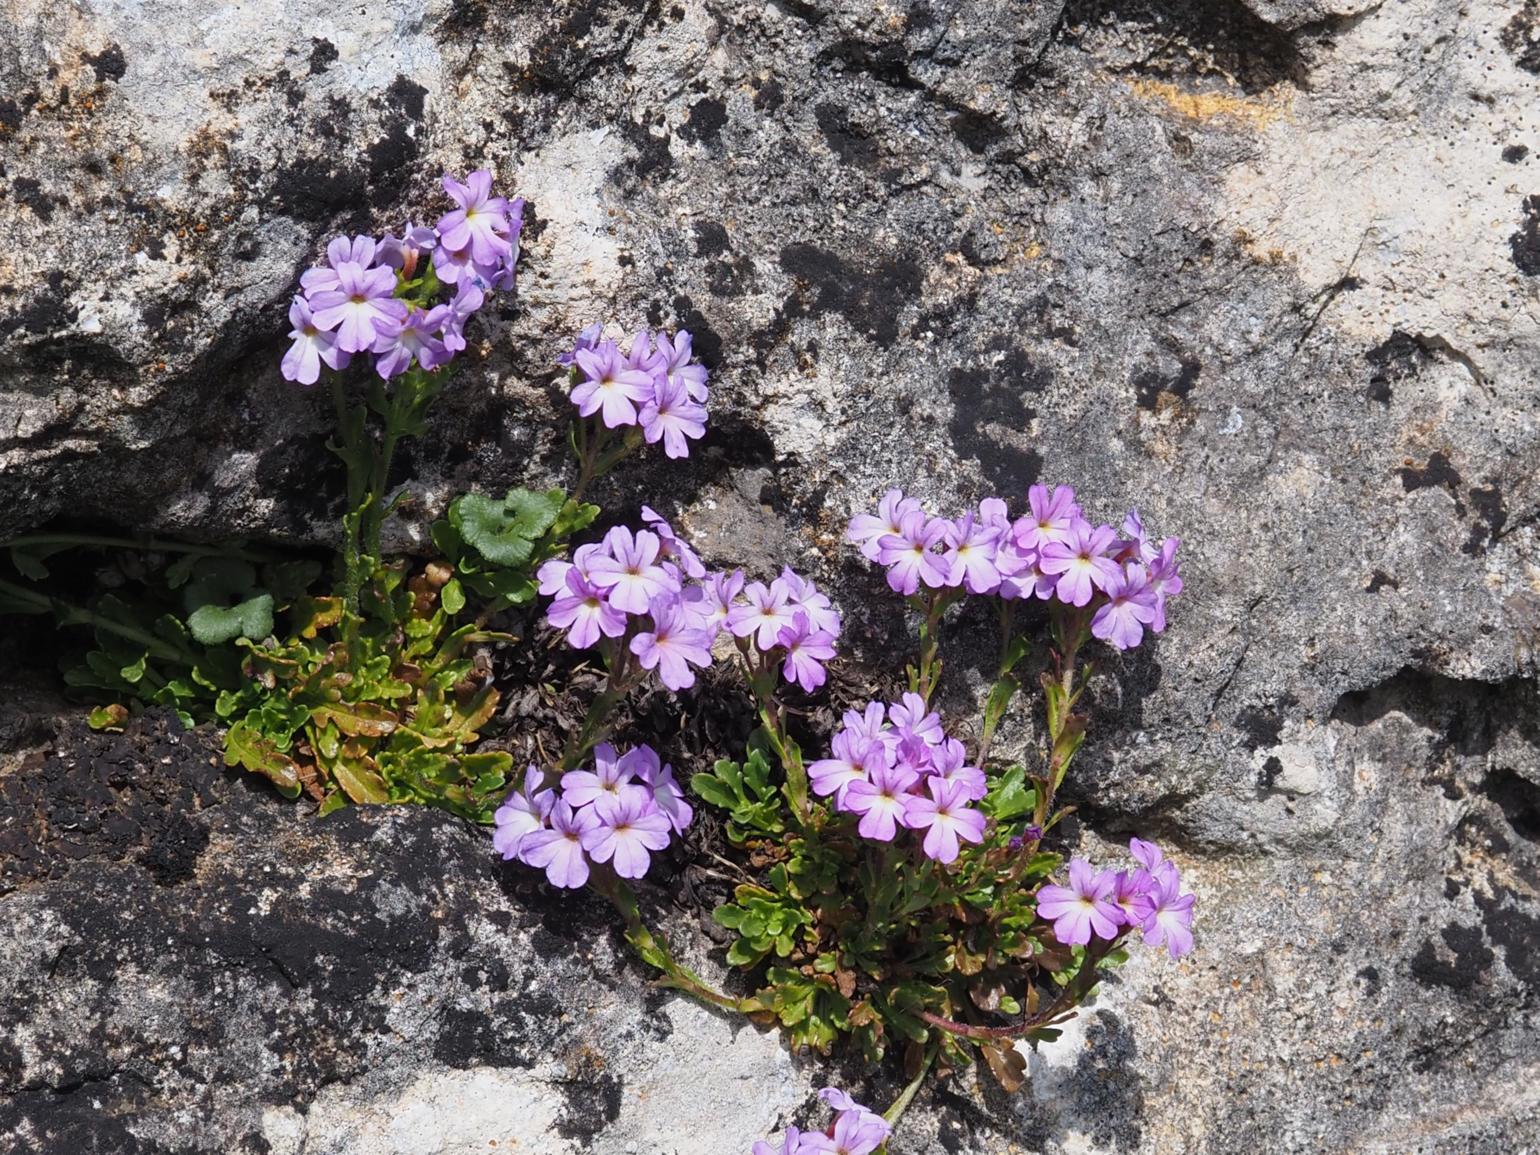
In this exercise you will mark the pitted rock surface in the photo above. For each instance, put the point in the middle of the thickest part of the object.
(1266, 270)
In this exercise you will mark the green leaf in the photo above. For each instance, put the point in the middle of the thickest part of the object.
(255, 751)
(1010, 797)
(134, 672)
(504, 532)
(213, 625)
(713, 790)
(574, 517)
(360, 783)
(452, 597)
(357, 719)
(107, 717)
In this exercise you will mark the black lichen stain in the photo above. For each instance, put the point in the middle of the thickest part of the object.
(1469, 960)
(705, 342)
(870, 294)
(1380, 580)
(323, 54)
(593, 1097)
(30, 193)
(1521, 36)
(391, 157)
(704, 125)
(846, 140)
(1148, 386)
(996, 397)
(769, 96)
(1437, 473)
(1515, 153)
(1525, 244)
(108, 64)
(1263, 726)
(1491, 514)
(1393, 360)
(652, 152)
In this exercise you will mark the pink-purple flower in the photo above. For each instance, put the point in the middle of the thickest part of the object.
(620, 812)
(946, 818)
(674, 644)
(1083, 908)
(312, 347)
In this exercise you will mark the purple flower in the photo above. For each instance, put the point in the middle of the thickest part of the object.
(630, 575)
(1082, 562)
(659, 778)
(359, 251)
(908, 555)
(719, 593)
(1146, 854)
(866, 530)
(678, 366)
(674, 645)
(611, 777)
(949, 763)
(673, 545)
(1165, 581)
(355, 308)
(402, 253)
(560, 849)
(791, 1144)
(1128, 886)
(481, 221)
(397, 342)
(910, 718)
(803, 595)
(311, 347)
(672, 416)
(1130, 607)
(1051, 518)
(584, 613)
(852, 760)
(1082, 908)
(1165, 913)
(806, 651)
(856, 1132)
(609, 387)
(467, 299)
(880, 800)
(868, 725)
(587, 339)
(767, 613)
(523, 812)
(947, 815)
(970, 555)
(627, 828)
(1139, 547)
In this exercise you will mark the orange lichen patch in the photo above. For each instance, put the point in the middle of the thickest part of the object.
(1256, 111)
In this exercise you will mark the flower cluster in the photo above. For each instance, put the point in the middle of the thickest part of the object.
(1051, 552)
(895, 767)
(654, 382)
(856, 1130)
(1105, 903)
(354, 304)
(649, 588)
(624, 809)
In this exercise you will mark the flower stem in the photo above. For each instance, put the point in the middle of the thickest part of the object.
(596, 723)
(653, 948)
(901, 1104)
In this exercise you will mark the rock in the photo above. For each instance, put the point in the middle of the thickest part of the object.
(1264, 270)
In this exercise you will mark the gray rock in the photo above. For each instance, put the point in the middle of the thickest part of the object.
(1267, 271)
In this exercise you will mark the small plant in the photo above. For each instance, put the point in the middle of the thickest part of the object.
(901, 891)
